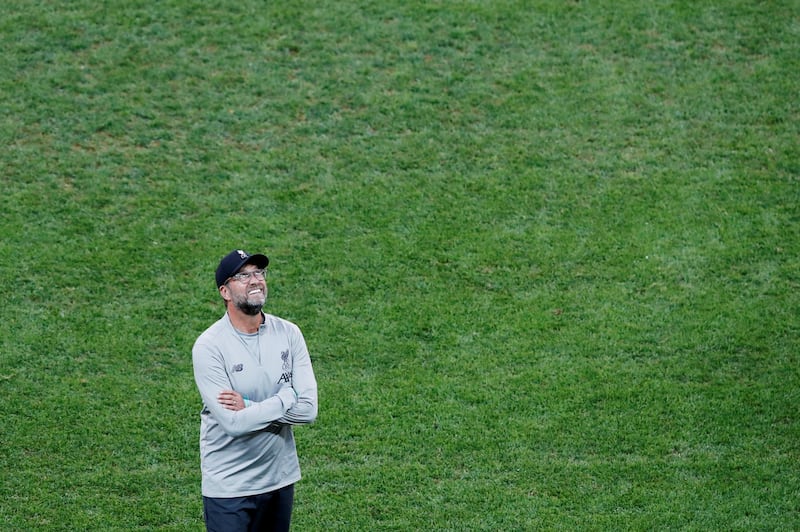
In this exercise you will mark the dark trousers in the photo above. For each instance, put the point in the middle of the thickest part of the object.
(270, 511)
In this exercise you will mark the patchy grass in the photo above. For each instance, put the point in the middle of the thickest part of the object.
(545, 256)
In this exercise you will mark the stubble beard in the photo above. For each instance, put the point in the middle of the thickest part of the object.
(251, 306)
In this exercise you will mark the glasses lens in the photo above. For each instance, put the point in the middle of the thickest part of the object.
(243, 277)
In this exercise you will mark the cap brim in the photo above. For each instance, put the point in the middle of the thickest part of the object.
(262, 261)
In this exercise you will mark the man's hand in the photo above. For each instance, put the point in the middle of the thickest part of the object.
(231, 400)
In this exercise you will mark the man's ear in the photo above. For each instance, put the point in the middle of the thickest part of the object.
(223, 292)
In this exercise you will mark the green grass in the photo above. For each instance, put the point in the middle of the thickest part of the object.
(545, 256)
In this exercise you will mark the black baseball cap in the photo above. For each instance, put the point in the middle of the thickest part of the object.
(233, 262)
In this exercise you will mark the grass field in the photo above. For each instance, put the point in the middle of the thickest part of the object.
(546, 256)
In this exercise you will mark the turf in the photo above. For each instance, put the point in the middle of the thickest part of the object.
(545, 256)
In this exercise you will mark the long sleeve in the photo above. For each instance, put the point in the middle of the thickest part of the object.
(211, 378)
(304, 383)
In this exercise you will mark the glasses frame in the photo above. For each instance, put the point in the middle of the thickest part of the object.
(244, 277)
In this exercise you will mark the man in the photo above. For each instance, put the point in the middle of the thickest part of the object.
(255, 378)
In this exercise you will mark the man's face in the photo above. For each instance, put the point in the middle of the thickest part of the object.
(248, 294)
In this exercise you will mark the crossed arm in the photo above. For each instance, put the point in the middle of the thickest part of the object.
(295, 403)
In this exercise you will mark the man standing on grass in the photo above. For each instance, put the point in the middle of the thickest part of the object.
(255, 378)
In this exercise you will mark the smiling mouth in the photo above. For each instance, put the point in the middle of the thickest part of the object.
(251, 292)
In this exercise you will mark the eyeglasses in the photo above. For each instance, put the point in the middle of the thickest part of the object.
(243, 277)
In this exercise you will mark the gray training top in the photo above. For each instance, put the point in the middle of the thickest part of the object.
(252, 451)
